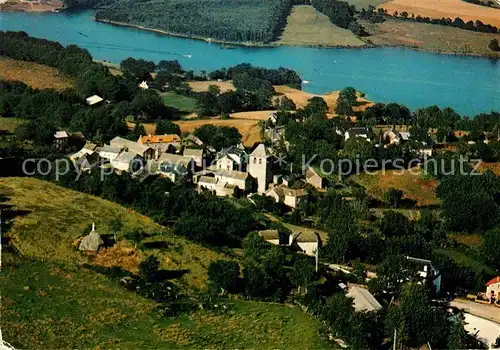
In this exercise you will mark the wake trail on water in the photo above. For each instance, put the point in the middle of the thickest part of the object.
(133, 49)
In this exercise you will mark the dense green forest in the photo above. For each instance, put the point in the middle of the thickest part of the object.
(236, 20)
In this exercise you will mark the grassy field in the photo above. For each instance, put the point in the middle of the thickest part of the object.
(200, 86)
(365, 3)
(50, 300)
(413, 186)
(430, 37)
(308, 27)
(179, 102)
(445, 8)
(33, 74)
(51, 306)
(10, 124)
(465, 260)
(54, 217)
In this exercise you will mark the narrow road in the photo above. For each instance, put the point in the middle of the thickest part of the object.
(489, 312)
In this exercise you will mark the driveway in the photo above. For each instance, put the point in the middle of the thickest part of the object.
(489, 312)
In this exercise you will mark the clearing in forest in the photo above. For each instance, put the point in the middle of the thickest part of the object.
(308, 27)
(36, 75)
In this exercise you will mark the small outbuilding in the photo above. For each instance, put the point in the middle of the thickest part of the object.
(91, 242)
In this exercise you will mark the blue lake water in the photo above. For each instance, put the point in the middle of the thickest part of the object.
(470, 85)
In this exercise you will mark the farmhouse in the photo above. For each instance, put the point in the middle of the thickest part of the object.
(94, 100)
(270, 236)
(306, 242)
(313, 178)
(143, 151)
(286, 195)
(493, 289)
(128, 162)
(427, 272)
(161, 143)
(110, 153)
(175, 166)
(195, 154)
(61, 139)
(207, 183)
(358, 132)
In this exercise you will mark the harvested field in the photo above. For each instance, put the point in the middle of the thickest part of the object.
(365, 3)
(31, 6)
(308, 27)
(413, 186)
(445, 8)
(33, 74)
(199, 86)
(300, 98)
(495, 167)
(249, 129)
(254, 115)
(430, 37)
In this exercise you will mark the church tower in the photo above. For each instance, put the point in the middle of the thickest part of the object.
(259, 168)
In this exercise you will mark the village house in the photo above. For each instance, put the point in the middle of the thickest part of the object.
(286, 195)
(364, 301)
(239, 179)
(270, 236)
(161, 143)
(232, 158)
(195, 154)
(313, 178)
(358, 132)
(208, 183)
(88, 148)
(94, 100)
(306, 242)
(175, 166)
(128, 162)
(393, 137)
(61, 140)
(493, 289)
(145, 85)
(110, 153)
(143, 151)
(87, 161)
(427, 272)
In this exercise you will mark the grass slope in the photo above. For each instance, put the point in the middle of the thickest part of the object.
(430, 37)
(33, 74)
(308, 27)
(179, 102)
(10, 124)
(49, 300)
(54, 217)
(51, 306)
(413, 186)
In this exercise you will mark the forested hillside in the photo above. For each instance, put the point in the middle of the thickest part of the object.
(235, 20)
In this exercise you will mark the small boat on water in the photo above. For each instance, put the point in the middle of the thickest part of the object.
(188, 56)
(305, 81)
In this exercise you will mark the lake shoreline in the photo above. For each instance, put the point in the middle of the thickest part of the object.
(277, 44)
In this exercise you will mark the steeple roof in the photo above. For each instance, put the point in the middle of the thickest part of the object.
(260, 152)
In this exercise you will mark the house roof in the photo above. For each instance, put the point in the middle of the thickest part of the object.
(110, 149)
(77, 135)
(269, 234)
(169, 138)
(90, 146)
(175, 159)
(207, 180)
(92, 100)
(126, 157)
(421, 262)
(359, 131)
(405, 135)
(310, 172)
(131, 146)
(493, 281)
(363, 299)
(192, 152)
(293, 193)
(194, 139)
(233, 174)
(61, 134)
(260, 151)
(306, 237)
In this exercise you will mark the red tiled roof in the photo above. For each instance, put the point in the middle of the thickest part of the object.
(159, 139)
(493, 281)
